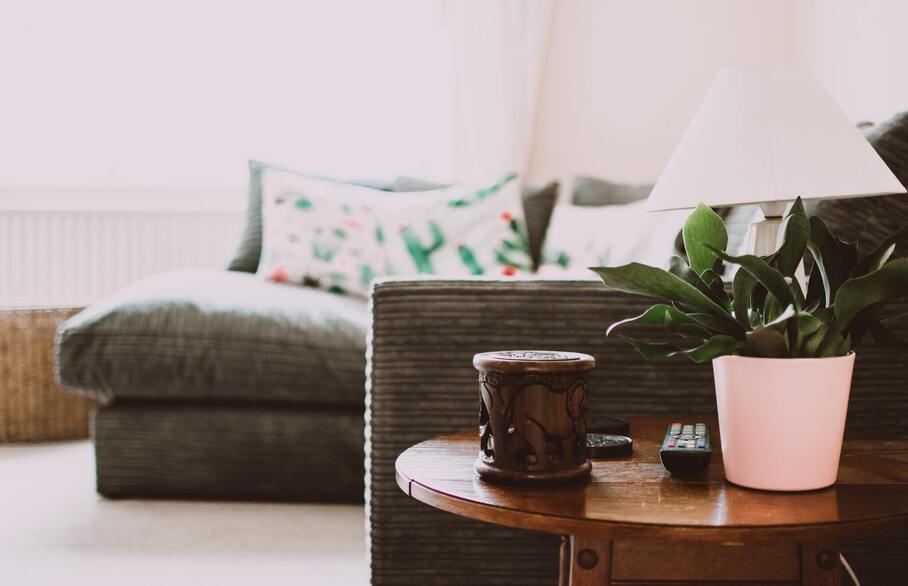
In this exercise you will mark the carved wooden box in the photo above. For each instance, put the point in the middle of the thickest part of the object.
(532, 421)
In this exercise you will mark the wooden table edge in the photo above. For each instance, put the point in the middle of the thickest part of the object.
(890, 526)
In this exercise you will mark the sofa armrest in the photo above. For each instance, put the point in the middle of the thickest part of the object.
(421, 382)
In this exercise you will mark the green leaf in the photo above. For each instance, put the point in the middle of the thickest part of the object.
(793, 237)
(671, 318)
(849, 258)
(717, 287)
(653, 350)
(828, 258)
(816, 284)
(680, 269)
(797, 294)
(811, 345)
(766, 275)
(878, 257)
(703, 231)
(844, 348)
(825, 314)
(776, 284)
(782, 317)
(766, 342)
(884, 284)
(712, 348)
(645, 280)
(742, 290)
(806, 324)
(718, 326)
(832, 344)
(771, 309)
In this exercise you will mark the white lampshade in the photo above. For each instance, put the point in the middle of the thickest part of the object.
(769, 134)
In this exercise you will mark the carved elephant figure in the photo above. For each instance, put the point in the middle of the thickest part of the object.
(528, 420)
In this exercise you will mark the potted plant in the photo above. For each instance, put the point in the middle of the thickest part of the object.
(782, 357)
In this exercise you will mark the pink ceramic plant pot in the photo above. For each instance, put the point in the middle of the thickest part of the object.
(781, 420)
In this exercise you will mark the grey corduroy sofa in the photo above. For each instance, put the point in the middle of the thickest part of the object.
(214, 384)
(421, 383)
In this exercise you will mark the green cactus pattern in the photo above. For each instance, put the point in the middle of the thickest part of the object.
(419, 253)
(514, 251)
(478, 196)
(366, 275)
(563, 260)
(325, 246)
(468, 257)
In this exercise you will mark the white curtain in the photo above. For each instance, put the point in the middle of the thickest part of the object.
(498, 53)
(179, 93)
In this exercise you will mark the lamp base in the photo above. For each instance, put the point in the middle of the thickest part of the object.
(763, 236)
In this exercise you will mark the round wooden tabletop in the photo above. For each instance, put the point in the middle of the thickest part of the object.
(634, 497)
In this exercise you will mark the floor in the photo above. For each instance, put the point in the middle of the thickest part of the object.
(54, 529)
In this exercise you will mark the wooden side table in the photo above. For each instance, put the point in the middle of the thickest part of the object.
(633, 523)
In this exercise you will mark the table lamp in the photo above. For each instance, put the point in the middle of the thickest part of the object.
(766, 135)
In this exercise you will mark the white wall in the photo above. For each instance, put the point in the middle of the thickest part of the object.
(859, 50)
(177, 94)
(625, 77)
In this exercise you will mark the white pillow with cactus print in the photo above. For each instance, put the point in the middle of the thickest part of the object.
(612, 235)
(457, 231)
(320, 233)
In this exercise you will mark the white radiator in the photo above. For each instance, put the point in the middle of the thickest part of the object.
(75, 257)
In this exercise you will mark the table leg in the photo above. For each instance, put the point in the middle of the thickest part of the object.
(820, 565)
(590, 562)
(564, 561)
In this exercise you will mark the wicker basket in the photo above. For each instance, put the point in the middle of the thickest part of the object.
(32, 408)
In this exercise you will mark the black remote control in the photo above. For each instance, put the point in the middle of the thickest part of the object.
(686, 449)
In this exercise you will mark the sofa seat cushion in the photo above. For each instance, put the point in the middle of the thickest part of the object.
(216, 335)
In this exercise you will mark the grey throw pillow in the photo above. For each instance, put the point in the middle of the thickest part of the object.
(246, 257)
(591, 191)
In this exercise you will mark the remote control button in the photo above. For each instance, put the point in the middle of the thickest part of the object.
(687, 429)
(671, 443)
(701, 443)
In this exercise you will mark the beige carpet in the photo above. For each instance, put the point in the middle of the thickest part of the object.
(54, 529)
